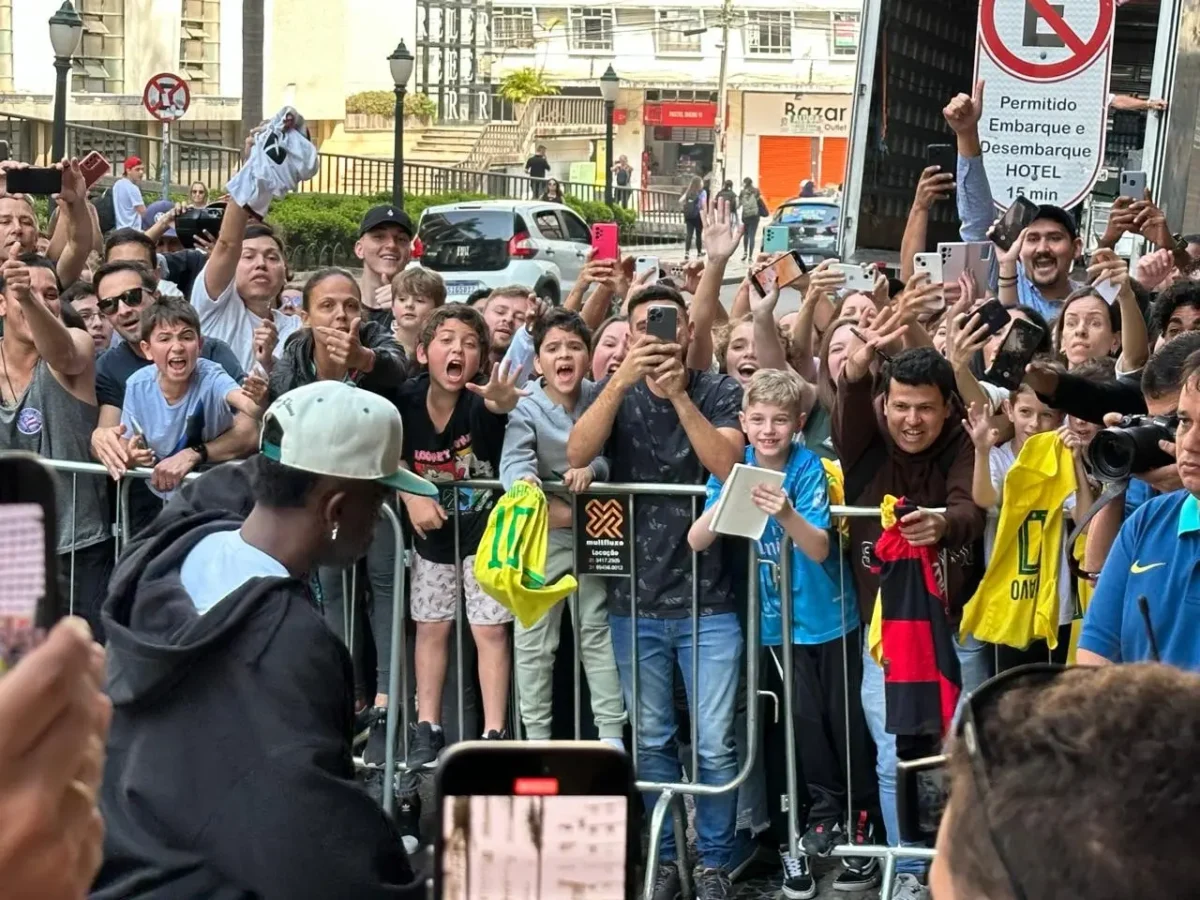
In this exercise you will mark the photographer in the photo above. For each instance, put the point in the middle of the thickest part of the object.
(1154, 557)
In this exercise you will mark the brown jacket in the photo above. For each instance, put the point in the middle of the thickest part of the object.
(939, 476)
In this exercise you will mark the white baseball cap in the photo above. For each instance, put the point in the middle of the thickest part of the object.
(333, 428)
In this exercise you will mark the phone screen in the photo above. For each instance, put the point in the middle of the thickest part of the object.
(22, 580)
(1015, 354)
(534, 843)
(779, 274)
(36, 181)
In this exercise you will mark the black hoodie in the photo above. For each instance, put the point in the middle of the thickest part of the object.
(229, 774)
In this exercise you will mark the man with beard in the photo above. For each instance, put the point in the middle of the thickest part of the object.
(385, 247)
(505, 312)
(1051, 244)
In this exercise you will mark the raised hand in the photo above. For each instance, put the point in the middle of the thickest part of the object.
(266, 336)
(74, 187)
(721, 236)
(934, 185)
(824, 281)
(764, 307)
(501, 392)
(1155, 268)
(1107, 266)
(978, 424)
(16, 275)
(1151, 222)
(965, 336)
(643, 358)
(962, 112)
(1121, 218)
(887, 327)
(344, 347)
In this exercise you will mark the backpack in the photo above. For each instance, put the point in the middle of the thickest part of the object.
(106, 212)
(691, 207)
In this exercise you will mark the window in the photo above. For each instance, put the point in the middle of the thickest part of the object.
(99, 67)
(768, 33)
(6, 32)
(547, 223)
(577, 229)
(845, 34)
(591, 28)
(512, 27)
(670, 36)
(200, 45)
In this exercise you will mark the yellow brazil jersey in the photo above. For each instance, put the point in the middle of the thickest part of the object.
(1017, 600)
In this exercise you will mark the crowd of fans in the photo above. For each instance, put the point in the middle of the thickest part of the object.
(138, 354)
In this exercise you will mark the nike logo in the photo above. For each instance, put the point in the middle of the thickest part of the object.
(1138, 569)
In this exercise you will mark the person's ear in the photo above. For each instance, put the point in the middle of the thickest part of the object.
(358, 249)
(801, 419)
(333, 510)
(304, 317)
(537, 366)
(742, 420)
(145, 345)
(1006, 408)
(1077, 244)
(422, 356)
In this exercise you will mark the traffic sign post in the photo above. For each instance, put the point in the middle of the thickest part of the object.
(1045, 110)
(167, 98)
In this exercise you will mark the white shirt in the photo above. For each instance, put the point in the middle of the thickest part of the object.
(227, 319)
(220, 564)
(126, 199)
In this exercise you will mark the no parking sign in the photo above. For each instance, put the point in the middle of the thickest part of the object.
(1045, 110)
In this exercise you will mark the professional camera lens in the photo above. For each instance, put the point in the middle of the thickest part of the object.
(1130, 448)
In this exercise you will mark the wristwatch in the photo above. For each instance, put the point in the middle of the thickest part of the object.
(201, 450)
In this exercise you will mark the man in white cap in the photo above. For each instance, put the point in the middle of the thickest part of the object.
(220, 666)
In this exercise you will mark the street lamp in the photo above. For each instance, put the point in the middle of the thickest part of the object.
(66, 28)
(401, 63)
(609, 85)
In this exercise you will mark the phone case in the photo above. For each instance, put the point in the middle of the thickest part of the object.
(775, 238)
(662, 322)
(604, 240)
(931, 263)
(39, 182)
(93, 167)
(993, 315)
(1133, 185)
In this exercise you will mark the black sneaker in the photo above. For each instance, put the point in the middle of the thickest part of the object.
(495, 735)
(821, 838)
(861, 872)
(712, 884)
(373, 754)
(424, 746)
(408, 815)
(798, 883)
(666, 882)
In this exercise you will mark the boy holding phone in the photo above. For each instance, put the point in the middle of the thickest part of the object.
(535, 450)
(824, 624)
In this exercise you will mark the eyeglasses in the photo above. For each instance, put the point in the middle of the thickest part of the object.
(970, 737)
(133, 298)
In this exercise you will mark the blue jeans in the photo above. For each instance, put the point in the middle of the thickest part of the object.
(975, 662)
(663, 644)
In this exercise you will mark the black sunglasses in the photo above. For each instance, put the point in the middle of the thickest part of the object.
(133, 298)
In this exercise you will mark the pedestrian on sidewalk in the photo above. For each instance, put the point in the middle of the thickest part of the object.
(750, 202)
(693, 200)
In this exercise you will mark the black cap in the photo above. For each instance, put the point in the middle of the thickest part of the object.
(385, 215)
(1061, 216)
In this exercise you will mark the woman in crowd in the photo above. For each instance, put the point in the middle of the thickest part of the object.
(553, 192)
(750, 203)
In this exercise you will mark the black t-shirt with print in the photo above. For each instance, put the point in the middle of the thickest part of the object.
(469, 447)
(649, 444)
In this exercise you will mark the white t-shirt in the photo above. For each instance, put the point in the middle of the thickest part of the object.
(227, 319)
(1001, 459)
(127, 197)
(220, 564)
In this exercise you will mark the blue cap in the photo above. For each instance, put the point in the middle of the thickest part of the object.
(156, 211)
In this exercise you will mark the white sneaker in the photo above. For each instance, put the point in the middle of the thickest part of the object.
(909, 887)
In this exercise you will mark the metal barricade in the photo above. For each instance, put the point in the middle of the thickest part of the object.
(670, 793)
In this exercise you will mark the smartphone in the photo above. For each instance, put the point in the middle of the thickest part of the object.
(922, 787)
(662, 322)
(993, 315)
(858, 278)
(931, 263)
(975, 258)
(944, 156)
(1016, 218)
(543, 818)
(784, 271)
(1133, 185)
(29, 594)
(644, 264)
(93, 167)
(1015, 354)
(41, 182)
(775, 238)
(604, 241)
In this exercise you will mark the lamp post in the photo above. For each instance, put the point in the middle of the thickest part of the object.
(401, 63)
(66, 28)
(609, 85)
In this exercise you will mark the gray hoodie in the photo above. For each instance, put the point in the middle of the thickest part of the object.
(535, 441)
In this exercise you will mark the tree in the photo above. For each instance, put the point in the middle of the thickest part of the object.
(523, 85)
(535, 819)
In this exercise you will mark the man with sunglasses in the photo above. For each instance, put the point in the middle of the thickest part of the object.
(1073, 782)
(123, 289)
(1144, 605)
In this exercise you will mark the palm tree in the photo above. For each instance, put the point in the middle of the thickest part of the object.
(535, 819)
(461, 819)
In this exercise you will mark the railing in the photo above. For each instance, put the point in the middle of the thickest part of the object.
(503, 140)
(556, 110)
(659, 216)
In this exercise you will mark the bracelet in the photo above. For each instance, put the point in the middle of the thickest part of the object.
(1006, 279)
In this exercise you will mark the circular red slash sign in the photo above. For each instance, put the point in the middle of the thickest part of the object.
(1082, 52)
(166, 97)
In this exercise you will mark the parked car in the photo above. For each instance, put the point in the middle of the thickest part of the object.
(494, 243)
(811, 224)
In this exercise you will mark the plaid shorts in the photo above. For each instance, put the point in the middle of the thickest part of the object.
(434, 595)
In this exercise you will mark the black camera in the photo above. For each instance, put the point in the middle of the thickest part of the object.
(1131, 447)
(200, 220)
